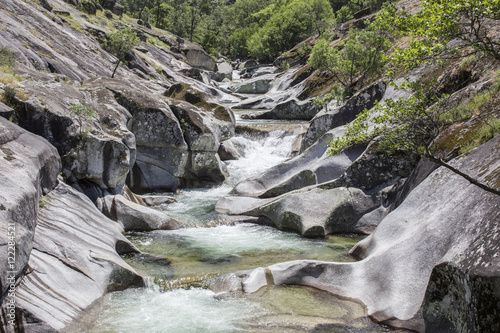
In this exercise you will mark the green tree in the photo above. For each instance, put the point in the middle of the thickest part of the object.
(289, 23)
(120, 43)
(353, 60)
(406, 124)
(83, 114)
(467, 22)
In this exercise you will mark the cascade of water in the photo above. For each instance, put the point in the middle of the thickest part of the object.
(195, 207)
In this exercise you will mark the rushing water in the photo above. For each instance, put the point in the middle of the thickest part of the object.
(176, 259)
(195, 207)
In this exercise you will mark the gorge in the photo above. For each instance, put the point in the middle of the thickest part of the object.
(199, 195)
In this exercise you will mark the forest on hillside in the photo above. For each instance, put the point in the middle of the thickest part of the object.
(261, 29)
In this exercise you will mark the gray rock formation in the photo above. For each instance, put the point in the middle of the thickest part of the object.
(292, 109)
(28, 168)
(135, 217)
(60, 232)
(317, 212)
(224, 71)
(326, 120)
(259, 85)
(444, 231)
(75, 241)
(197, 57)
(227, 151)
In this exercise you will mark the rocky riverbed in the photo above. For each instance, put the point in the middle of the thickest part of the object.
(178, 140)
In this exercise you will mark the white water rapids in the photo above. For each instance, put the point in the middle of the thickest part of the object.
(200, 251)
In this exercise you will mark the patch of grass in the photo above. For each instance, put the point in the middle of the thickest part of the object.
(7, 57)
(488, 130)
(9, 77)
(472, 106)
(155, 41)
(468, 62)
(43, 53)
(9, 94)
(72, 22)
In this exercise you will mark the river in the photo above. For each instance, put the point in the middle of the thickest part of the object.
(177, 261)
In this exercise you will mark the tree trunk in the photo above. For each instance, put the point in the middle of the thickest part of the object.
(142, 9)
(116, 67)
(460, 173)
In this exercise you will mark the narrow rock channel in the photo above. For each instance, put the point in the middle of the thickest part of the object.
(178, 261)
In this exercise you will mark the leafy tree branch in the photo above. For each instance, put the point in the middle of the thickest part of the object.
(406, 124)
(120, 43)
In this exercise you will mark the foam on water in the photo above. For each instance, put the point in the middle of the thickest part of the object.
(194, 310)
(195, 207)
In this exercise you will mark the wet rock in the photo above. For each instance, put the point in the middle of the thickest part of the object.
(134, 217)
(147, 200)
(258, 71)
(313, 166)
(74, 257)
(227, 151)
(325, 121)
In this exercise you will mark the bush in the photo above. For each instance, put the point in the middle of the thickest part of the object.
(9, 95)
(7, 57)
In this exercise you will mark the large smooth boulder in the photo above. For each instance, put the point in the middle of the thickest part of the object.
(161, 151)
(289, 110)
(259, 85)
(318, 212)
(28, 168)
(205, 124)
(135, 217)
(73, 263)
(224, 71)
(197, 57)
(445, 219)
(463, 294)
(338, 116)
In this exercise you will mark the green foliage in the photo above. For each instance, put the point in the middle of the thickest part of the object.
(7, 57)
(289, 23)
(9, 95)
(405, 124)
(488, 130)
(438, 23)
(83, 113)
(346, 10)
(120, 43)
(471, 106)
(359, 56)
(41, 202)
